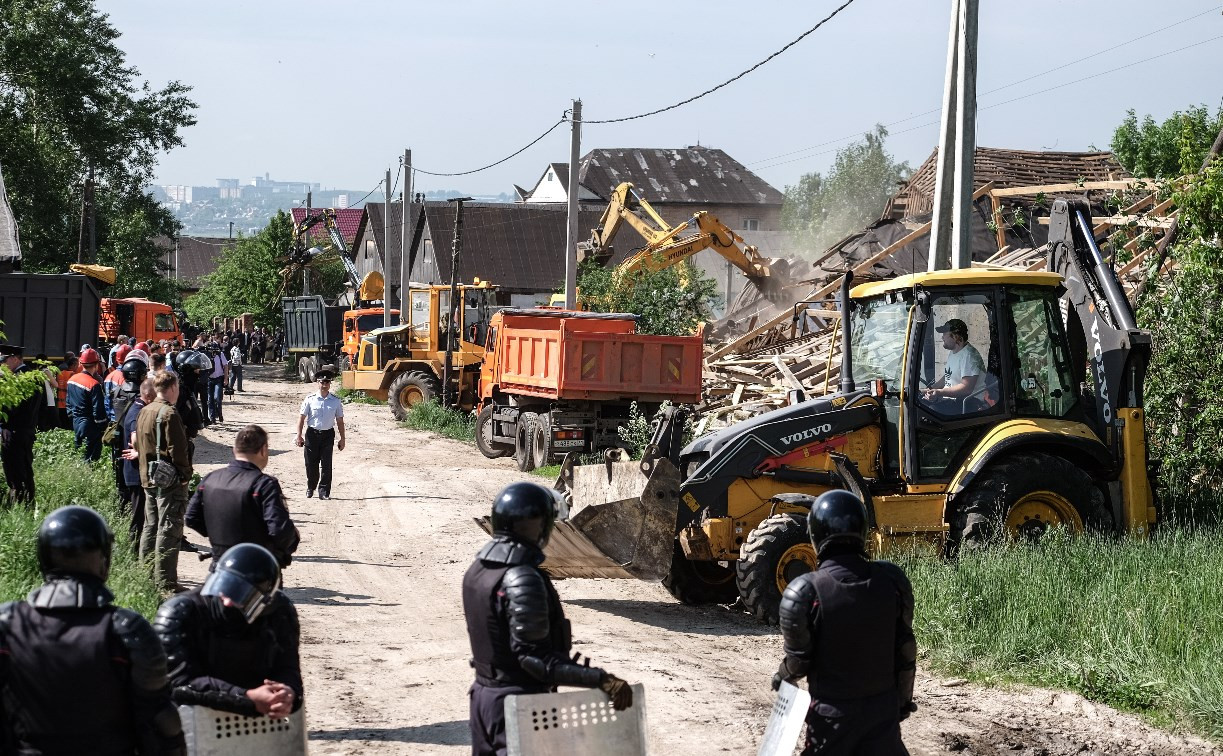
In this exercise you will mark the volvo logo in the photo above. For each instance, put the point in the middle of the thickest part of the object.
(1101, 378)
(819, 430)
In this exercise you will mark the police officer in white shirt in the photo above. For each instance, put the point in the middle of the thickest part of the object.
(321, 414)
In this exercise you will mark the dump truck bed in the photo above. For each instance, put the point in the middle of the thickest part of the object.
(565, 355)
(310, 324)
(49, 313)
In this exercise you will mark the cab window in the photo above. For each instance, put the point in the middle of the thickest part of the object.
(1041, 377)
(164, 322)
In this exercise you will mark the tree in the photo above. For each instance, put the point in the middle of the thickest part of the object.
(1173, 148)
(820, 210)
(71, 105)
(131, 248)
(673, 301)
(248, 277)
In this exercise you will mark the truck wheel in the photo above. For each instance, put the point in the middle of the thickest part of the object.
(302, 373)
(311, 369)
(777, 551)
(541, 440)
(344, 364)
(522, 441)
(484, 435)
(1024, 495)
(694, 582)
(408, 390)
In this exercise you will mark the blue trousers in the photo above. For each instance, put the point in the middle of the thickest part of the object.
(88, 434)
(216, 395)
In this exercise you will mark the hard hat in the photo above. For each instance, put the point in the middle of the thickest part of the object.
(90, 357)
(121, 353)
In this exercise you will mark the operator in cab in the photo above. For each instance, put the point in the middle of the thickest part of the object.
(964, 370)
(520, 639)
(848, 628)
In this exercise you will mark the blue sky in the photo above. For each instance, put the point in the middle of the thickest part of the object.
(333, 92)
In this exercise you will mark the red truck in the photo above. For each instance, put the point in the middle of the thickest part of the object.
(555, 381)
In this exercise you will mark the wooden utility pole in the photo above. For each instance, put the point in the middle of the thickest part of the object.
(950, 238)
(405, 203)
(449, 398)
(386, 257)
(306, 241)
(571, 238)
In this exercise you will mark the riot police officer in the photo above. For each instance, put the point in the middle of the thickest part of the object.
(77, 673)
(848, 627)
(520, 639)
(188, 364)
(123, 401)
(233, 642)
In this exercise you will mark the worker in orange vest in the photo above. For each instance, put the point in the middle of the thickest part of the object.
(69, 368)
(87, 405)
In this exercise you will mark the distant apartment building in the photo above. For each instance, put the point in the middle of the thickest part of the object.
(180, 193)
(266, 184)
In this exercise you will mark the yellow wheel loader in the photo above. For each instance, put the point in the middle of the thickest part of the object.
(963, 414)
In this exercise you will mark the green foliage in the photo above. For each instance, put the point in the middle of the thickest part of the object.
(131, 248)
(70, 102)
(247, 278)
(352, 396)
(1166, 150)
(61, 478)
(432, 416)
(1185, 378)
(639, 429)
(820, 210)
(1131, 623)
(17, 387)
(673, 301)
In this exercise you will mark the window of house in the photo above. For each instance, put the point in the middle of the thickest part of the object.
(369, 249)
(751, 224)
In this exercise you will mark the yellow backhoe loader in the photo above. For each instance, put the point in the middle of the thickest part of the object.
(945, 450)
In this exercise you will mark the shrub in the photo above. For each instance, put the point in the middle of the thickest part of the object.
(431, 416)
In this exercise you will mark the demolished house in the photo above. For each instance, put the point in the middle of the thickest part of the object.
(763, 349)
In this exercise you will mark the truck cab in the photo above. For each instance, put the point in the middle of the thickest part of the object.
(140, 318)
(359, 322)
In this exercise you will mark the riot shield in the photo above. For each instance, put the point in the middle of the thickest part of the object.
(582, 723)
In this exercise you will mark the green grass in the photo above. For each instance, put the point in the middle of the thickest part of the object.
(431, 416)
(354, 396)
(547, 471)
(1134, 624)
(61, 478)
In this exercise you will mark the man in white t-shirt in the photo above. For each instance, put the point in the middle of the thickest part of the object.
(965, 367)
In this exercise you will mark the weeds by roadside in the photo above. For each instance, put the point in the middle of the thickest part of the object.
(353, 396)
(61, 478)
(431, 416)
(1135, 624)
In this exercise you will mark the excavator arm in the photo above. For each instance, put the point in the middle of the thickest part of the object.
(301, 255)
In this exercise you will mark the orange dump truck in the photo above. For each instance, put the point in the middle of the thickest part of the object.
(137, 317)
(555, 381)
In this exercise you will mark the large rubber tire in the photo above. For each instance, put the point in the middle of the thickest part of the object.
(1023, 496)
(775, 552)
(700, 582)
(409, 389)
(302, 373)
(523, 437)
(311, 368)
(484, 435)
(541, 440)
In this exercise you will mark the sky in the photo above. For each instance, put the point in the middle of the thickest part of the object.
(334, 92)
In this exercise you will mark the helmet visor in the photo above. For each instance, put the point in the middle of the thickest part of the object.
(238, 592)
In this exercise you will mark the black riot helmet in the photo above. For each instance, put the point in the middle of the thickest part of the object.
(134, 370)
(74, 541)
(837, 518)
(247, 579)
(189, 360)
(526, 512)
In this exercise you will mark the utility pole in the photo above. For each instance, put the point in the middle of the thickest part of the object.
(571, 238)
(386, 255)
(404, 268)
(93, 217)
(231, 229)
(448, 394)
(950, 239)
(306, 241)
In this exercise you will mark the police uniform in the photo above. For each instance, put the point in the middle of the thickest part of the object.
(848, 627)
(321, 413)
(241, 504)
(17, 439)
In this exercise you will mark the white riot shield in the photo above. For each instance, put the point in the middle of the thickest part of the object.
(574, 724)
(786, 723)
(217, 733)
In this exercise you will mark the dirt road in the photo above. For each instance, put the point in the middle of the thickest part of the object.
(384, 647)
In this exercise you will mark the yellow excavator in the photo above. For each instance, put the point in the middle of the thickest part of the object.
(668, 245)
(1035, 440)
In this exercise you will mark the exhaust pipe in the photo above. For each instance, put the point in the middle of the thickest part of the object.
(847, 361)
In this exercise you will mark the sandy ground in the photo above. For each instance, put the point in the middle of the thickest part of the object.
(384, 648)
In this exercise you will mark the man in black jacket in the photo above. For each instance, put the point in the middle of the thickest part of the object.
(520, 639)
(17, 432)
(77, 673)
(848, 627)
(232, 644)
(241, 504)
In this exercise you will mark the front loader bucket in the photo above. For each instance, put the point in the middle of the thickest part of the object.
(621, 522)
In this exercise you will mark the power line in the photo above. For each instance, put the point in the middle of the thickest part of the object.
(515, 154)
(371, 191)
(1055, 69)
(761, 164)
(732, 79)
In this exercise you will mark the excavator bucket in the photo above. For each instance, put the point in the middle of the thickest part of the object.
(621, 522)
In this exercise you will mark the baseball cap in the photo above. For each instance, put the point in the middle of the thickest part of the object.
(956, 326)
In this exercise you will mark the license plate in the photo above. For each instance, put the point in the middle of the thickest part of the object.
(569, 443)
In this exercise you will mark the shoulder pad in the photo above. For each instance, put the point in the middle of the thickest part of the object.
(526, 588)
(143, 647)
(798, 599)
(502, 550)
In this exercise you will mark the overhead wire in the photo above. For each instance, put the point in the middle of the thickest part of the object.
(769, 160)
(514, 154)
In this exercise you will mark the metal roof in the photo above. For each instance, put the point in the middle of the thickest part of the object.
(695, 175)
